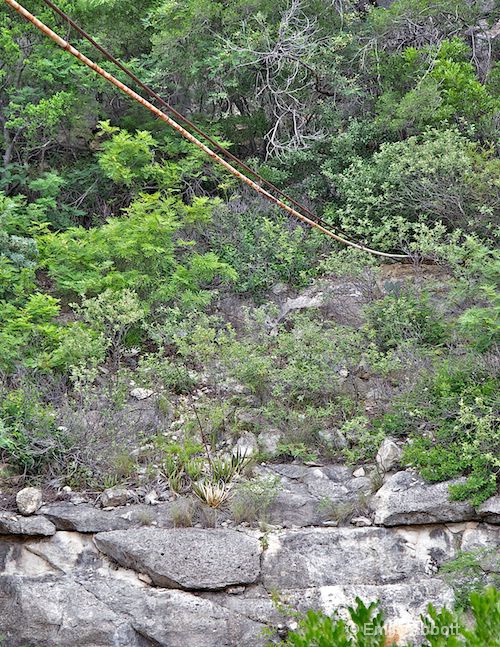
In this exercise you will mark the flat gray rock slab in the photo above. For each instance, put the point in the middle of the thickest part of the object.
(303, 489)
(490, 510)
(294, 506)
(51, 611)
(83, 517)
(86, 518)
(405, 499)
(15, 524)
(186, 558)
(304, 558)
(479, 537)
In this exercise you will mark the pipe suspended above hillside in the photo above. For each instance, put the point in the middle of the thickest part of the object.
(314, 223)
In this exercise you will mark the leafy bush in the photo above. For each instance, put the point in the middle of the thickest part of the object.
(18, 251)
(29, 438)
(174, 376)
(251, 500)
(111, 315)
(136, 252)
(28, 334)
(418, 94)
(405, 317)
(450, 418)
(471, 571)
(366, 627)
(79, 352)
(125, 157)
(440, 176)
(481, 325)
(364, 439)
(263, 246)
(319, 630)
(445, 628)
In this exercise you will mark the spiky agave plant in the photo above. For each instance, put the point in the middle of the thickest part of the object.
(225, 469)
(213, 493)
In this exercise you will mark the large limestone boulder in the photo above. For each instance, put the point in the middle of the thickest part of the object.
(28, 500)
(173, 618)
(269, 440)
(251, 601)
(344, 556)
(294, 507)
(14, 524)
(406, 499)
(66, 552)
(304, 490)
(186, 558)
(480, 536)
(115, 496)
(83, 517)
(103, 611)
(59, 612)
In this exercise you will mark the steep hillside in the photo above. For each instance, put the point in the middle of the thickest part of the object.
(210, 412)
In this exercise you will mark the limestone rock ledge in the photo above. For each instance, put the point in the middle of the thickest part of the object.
(80, 576)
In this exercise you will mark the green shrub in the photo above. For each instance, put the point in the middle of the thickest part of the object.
(79, 353)
(366, 627)
(319, 630)
(471, 572)
(418, 95)
(481, 325)
(124, 157)
(440, 176)
(405, 317)
(29, 437)
(111, 315)
(263, 246)
(308, 357)
(136, 252)
(296, 451)
(450, 418)
(251, 500)
(174, 376)
(363, 437)
(29, 334)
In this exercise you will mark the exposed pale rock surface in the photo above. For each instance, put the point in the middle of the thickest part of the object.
(186, 558)
(28, 500)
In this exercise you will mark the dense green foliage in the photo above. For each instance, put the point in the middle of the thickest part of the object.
(128, 259)
(442, 628)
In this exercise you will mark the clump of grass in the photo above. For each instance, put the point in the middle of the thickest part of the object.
(145, 518)
(182, 512)
(343, 511)
(252, 499)
(208, 516)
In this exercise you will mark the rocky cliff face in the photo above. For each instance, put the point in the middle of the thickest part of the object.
(77, 575)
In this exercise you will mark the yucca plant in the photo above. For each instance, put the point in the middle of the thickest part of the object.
(225, 469)
(213, 493)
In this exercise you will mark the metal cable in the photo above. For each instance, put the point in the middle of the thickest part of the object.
(179, 116)
(187, 135)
